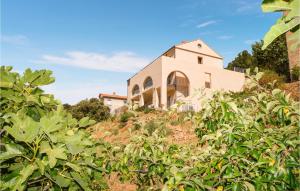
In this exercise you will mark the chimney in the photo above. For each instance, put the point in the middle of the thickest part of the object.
(184, 41)
(114, 93)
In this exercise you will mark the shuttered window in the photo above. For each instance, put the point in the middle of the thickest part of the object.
(207, 80)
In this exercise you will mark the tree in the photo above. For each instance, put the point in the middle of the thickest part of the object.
(288, 24)
(93, 108)
(243, 60)
(274, 57)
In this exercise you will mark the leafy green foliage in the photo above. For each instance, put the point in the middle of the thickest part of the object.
(295, 73)
(243, 60)
(44, 147)
(250, 143)
(145, 109)
(288, 22)
(271, 77)
(274, 57)
(247, 141)
(124, 117)
(93, 108)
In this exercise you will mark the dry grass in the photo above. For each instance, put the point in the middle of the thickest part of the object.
(294, 89)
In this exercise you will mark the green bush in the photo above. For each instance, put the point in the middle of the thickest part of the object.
(42, 146)
(270, 77)
(295, 73)
(124, 117)
(93, 108)
(145, 109)
(151, 126)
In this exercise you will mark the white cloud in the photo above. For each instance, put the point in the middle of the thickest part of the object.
(117, 62)
(250, 41)
(247, 7)
(207, 23)
(225, 37)
(14, 39)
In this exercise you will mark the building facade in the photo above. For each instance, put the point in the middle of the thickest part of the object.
(178, 73)
(113, 101)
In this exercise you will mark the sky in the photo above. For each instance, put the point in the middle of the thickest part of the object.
(94, 46)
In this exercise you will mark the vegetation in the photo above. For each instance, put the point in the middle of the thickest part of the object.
(290, 21)
(243, 60)
(247, 141)
(271, 77)
(93, 108)
(42, 146)
(274, 58)
(295, 73)
(145, 109)
(125, 116)
(248, 144)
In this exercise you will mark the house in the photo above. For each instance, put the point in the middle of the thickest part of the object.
(177, 75)
(113, 101)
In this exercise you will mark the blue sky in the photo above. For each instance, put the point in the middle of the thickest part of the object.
(96, 45)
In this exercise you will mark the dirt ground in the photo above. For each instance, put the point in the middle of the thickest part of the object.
(294, 89)
(115, 132)
(115, 184)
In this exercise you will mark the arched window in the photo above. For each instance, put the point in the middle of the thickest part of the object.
(148, 82)
(179, 81)
(178, 87)
(135, 90)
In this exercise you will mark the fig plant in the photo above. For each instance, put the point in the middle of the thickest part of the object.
(42, 146)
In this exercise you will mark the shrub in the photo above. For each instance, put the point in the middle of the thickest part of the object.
(93, 108)
(295, 73)
(145, 109)
(124, 117)
(137, 126)
(42, 146)
(270, 77)
(151, 126)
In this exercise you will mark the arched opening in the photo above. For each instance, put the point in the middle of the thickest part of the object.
(135, 94)
(135, 90)
(148, 83)
(148, 91)
(178, 87)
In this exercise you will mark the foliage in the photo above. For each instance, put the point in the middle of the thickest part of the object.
(271, 77)
(93, 108)
(154, 125)
(244, 144)
(42, 146)
(274, 57)
(247, 141)
(288, 22)
(145, 109)
(124, 117)
(295, 73)
(243, 60)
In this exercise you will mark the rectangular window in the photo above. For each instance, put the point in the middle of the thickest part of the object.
(200, 60)
(109, 102)
(207, 80)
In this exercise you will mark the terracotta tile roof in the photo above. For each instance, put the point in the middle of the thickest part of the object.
(113, 96)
